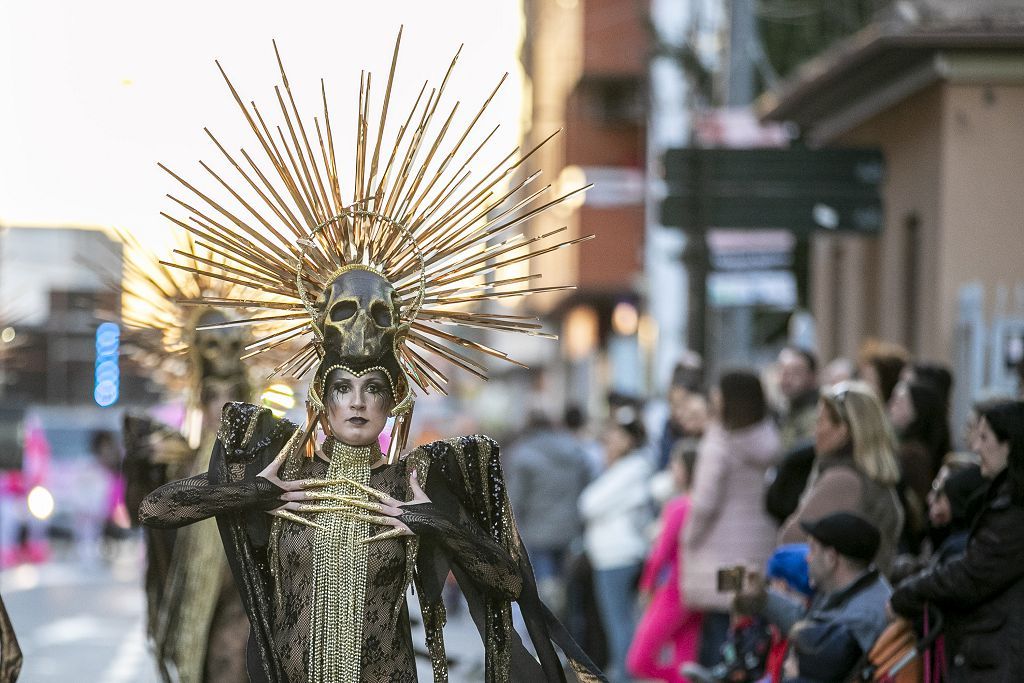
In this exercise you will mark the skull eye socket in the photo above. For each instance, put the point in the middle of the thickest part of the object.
(381, 314)
(343, 310)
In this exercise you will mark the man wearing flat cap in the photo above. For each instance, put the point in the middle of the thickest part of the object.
(848, 612)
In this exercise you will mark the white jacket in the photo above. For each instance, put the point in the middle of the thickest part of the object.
(615, 509)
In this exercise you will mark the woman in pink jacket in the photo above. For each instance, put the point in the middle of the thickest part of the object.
(666, 622)
(728, 524)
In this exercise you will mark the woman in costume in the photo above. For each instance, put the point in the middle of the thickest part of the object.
(196, 623)
(323, 576)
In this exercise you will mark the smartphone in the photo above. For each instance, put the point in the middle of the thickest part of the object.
(730, 579)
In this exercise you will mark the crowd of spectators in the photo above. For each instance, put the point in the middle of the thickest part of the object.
(819, 539)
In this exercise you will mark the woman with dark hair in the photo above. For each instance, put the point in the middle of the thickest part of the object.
(981, 593)
(728, 524)
(935, 374)
(918, 414)
(615, 509)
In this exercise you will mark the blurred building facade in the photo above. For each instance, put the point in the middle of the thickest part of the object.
(54, 301)
(586, 66)
(940, 92)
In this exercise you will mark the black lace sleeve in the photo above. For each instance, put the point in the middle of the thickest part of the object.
(467, 545)
(189, 500)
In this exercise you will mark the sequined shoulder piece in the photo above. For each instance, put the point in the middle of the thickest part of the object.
(478, 481)
(246, 428)
(470, 445)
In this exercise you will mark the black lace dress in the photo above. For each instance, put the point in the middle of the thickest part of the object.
(466, 528)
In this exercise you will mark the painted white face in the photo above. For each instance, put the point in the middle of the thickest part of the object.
(357, 406)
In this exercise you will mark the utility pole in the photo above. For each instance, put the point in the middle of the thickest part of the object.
(668, 126)
(740, 92)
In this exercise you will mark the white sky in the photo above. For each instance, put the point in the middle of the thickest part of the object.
(93, 94)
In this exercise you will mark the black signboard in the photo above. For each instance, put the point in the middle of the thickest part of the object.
(798, 189)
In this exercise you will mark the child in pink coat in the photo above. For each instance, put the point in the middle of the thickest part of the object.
(667, 623)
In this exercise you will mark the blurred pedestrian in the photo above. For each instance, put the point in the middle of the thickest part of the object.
(546, 471)
(939, 376)
(196, 621)
(917, 410)
(576, 422)
(856, 466)
(798, 382)
(616, 510)
(981, 593)
(788, 480)
(918, 414)
(728, 524)
(953, 503)
(687, 419)
(799, 386)
(667, 623)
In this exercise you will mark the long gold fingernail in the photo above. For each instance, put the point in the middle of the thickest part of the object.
(283, 514)
(372, 519)
(366, 505)
(394, 533)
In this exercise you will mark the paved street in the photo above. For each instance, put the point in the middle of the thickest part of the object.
(85, 623)
(80, 623)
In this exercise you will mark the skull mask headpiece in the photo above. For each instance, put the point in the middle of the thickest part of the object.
(361, 312)
(359, 321)
(216, 353)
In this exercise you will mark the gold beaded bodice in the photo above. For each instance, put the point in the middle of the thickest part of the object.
(320, 629)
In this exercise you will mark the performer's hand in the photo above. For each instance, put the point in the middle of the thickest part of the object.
(388, 509)
(299, 494)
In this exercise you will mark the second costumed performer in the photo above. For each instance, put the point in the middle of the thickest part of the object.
(369, 285)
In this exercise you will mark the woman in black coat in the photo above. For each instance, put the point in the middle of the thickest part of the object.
(981, 594)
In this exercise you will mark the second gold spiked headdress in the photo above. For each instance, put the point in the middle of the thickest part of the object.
(378, 277)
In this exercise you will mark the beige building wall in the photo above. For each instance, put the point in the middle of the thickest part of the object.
(954, 214)
(888, 285)
(982, 203)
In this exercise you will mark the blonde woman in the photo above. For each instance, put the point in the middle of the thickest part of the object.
(856, 468)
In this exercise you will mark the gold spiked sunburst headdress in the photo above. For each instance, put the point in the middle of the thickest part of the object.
(188, 349)
(372, 281)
